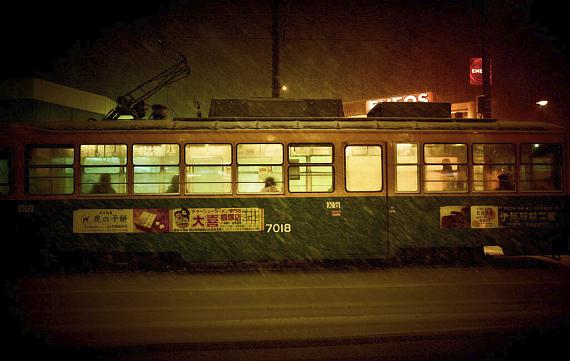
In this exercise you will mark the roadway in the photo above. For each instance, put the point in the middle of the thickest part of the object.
(351, 314)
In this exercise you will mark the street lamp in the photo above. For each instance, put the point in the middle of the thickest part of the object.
(542, 109)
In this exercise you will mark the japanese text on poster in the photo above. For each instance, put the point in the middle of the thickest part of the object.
(102, 221)
(216, 219)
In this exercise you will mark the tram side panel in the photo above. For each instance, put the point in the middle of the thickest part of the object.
(462, 225)
(154, 233)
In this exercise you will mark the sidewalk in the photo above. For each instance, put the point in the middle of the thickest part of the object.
(563, 261)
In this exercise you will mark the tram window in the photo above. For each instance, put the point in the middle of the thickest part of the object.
(445, 169)
(103, 168)
(493, 167)
(363, 168)
(50, 170)
(407, 168)
(5, 171)
(312, 176)
(259, 165)
(541, 167)
(208, 169)
(156, 168)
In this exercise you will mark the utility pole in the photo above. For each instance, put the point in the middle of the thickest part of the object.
(278, 35)
(486, 64)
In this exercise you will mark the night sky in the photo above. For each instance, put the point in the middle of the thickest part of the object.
(349, 50)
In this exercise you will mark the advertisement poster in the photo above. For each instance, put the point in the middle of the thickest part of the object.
(535, 217)
(151, 220)
(498, 217)
(103, 221)
(484, 217)
(168, 220)
(455, 217)
(216, 219)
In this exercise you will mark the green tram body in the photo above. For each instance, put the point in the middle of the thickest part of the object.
(327, 225)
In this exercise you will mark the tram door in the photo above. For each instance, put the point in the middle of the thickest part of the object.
(364, 165)
(404, 211)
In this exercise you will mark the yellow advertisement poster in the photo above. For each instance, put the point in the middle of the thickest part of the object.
(102, 221)
(484, 217)
(216, 219)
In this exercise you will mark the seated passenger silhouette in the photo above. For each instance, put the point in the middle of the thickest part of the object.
(505, 182)
(174, 186)
(104, 186)
(270, 185)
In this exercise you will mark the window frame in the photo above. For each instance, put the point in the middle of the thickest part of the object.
(418, 164)
(514, 165)
(329, 164)
(382, 173)
(465, 164)
(561, 164)
(237, 166)
(125, 165)
(134, 166)
(186, 165)
(9, 152)
(29, 166)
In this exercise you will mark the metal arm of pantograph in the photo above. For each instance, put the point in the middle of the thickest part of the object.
(133, 103)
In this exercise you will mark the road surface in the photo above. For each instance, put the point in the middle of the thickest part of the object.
(387, 312)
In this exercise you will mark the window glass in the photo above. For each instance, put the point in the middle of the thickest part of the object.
(493, 167)
(312, 179)
(210, 171)
(259, 154)
(156, 169)
(260, 179)
(436, 153)
(406, 153)
(407, 178)
(541, 167)
(260, 169)
(98, 175)
(45, 156)
(363, 168)
(445, 170)
(407, 168)
(208, 154)
(50, 170)
(5, 171)
(209, 179)
(152, 154)
(313, 153)
(493, 154)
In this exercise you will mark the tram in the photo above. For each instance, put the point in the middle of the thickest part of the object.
(224, 189)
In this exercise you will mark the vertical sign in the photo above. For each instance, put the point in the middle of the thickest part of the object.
(476, 71)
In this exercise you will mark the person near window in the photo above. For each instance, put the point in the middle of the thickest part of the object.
(104, 186)
(270, 185)
(174, 186)
(448, 176)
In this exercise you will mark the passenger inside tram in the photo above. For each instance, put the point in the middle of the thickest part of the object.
(505, 182)
(270, 185)
(104, 186)
(448, 176)
(174, 186)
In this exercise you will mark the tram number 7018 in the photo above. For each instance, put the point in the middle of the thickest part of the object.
(278, 227)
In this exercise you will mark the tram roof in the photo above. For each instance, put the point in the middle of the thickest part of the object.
(290, 123)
